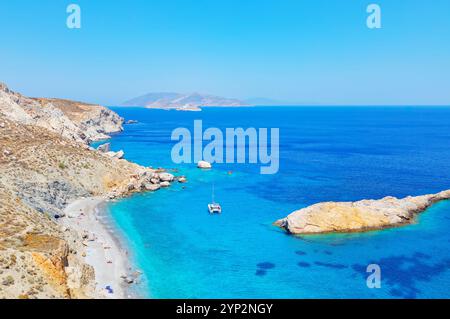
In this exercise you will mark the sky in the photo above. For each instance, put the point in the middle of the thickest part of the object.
(301, 51)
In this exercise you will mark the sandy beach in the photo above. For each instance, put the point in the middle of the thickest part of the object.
(103, 251)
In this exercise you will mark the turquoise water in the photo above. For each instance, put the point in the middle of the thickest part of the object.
(326, 154)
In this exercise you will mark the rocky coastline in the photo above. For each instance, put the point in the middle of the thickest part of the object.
(46, 165)
(360, 216)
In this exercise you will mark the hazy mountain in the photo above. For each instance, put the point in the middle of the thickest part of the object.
(170, 100)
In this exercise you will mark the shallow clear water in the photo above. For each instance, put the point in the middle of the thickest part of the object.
(326, 154)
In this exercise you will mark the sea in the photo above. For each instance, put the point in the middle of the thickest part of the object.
(325, 154)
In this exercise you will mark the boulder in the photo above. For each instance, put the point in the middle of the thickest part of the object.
(165, 184)
(204, 165)
(152, 187)
(118, 155)
(146, 174)
(104, 148)
(182, 179)
(166, 177)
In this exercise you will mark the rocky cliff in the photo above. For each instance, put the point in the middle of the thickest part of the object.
(74, 120)
(358, 216)
(45, 164)
(95, 121)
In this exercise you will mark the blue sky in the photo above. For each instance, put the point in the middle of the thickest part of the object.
(308, 51)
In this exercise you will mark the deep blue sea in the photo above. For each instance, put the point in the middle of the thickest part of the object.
(326, 154)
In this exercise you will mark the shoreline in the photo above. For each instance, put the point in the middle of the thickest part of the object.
(103, 249)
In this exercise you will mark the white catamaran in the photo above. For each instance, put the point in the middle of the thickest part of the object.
(214, 208)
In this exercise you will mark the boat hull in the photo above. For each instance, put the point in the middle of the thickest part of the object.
(214, 209)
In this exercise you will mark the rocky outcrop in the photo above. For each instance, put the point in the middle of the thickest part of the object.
(119, 155)
(204, 165)
(44, 165)
(182, 179)
(50, 197)
(94, 120)
(104, 148)
(166, 177)
(77, 121)
(21, 109)
(358, 216)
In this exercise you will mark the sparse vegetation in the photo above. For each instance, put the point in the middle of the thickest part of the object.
(41, 175)
(8, 281)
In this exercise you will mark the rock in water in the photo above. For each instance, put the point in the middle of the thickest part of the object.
(358, 216)
(46, 163)
(152, 187)
(204, 165)
(165, 184)
(166, 177)
(182, 180)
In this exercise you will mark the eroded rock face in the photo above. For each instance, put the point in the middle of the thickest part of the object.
(99, 122)
(104, 148)
(44, 165)
(358, 216)
(50, 197)
(166, 177)
(182, 180)
(33, 254)
(77, 121)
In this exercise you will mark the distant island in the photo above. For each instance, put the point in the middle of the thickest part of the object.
(361, 216)
(183, 102)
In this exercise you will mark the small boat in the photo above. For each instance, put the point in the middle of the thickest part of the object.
(214, 208)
